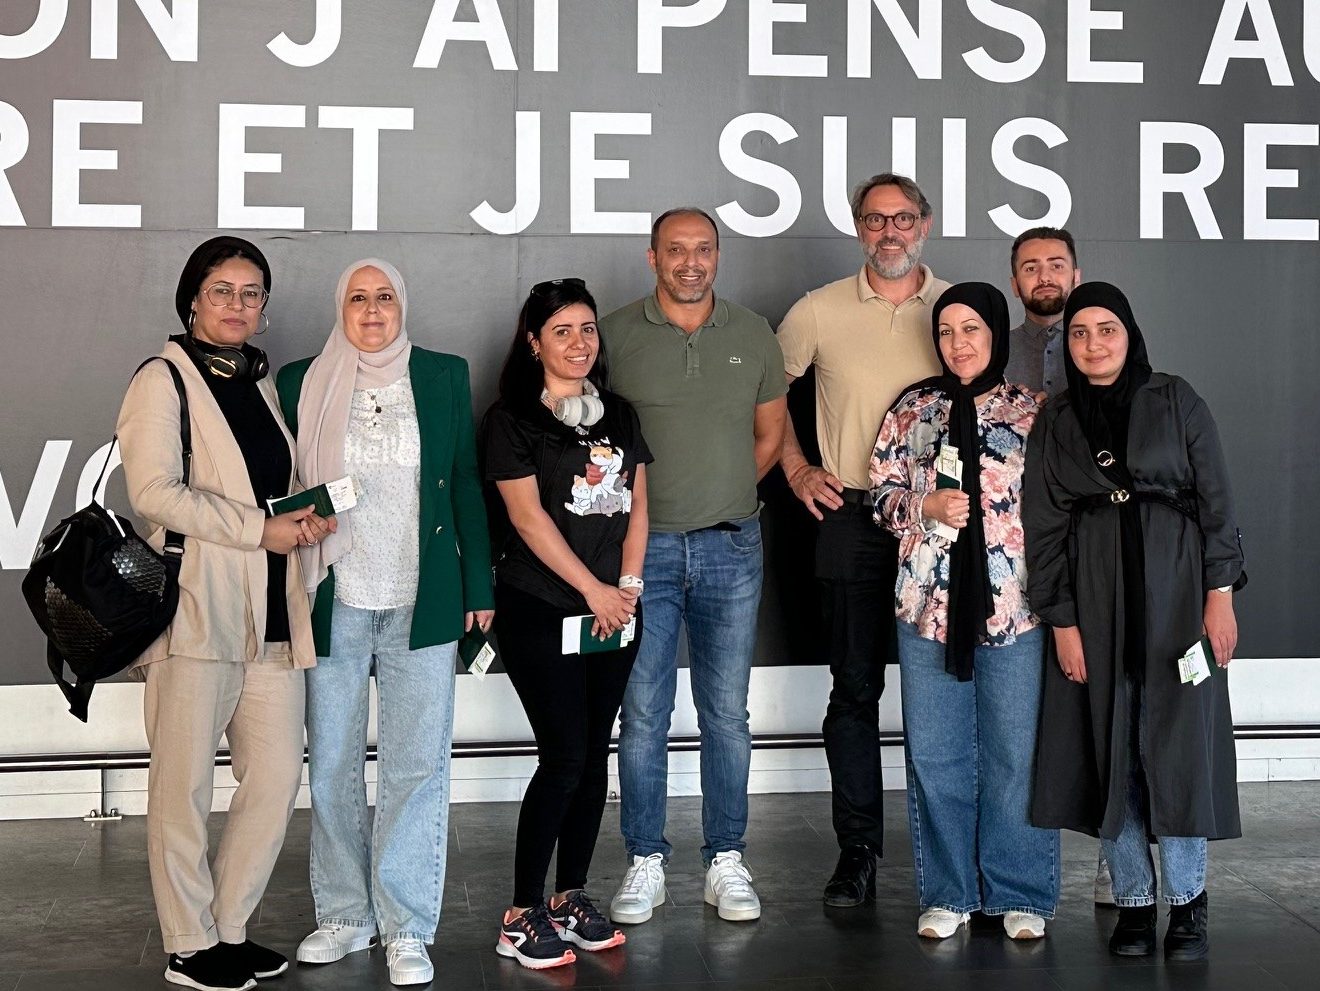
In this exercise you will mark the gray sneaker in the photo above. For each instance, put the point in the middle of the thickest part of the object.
(729, 888)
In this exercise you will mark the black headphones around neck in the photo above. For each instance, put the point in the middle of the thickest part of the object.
(229, 363)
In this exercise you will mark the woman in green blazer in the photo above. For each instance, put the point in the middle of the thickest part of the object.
(407, 573)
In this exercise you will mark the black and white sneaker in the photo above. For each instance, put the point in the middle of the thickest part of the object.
(531, 939)
(580, 922)
(264, 963)
(213, 969)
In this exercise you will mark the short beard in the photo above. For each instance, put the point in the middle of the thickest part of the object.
(1046, 307)
(896, 269)
(680, 293)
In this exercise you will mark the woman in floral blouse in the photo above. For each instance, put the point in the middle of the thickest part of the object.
(946, 477)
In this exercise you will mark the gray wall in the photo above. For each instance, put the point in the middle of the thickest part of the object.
(87, 294)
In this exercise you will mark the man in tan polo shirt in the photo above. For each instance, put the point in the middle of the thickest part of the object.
(869, 337)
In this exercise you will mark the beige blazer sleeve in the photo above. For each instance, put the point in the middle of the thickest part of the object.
(148, 430)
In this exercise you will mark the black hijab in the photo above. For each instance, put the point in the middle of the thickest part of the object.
(1104, 412)
(207, 256)
(971, 600)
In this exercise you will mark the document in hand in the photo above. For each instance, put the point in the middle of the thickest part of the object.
(329, 498)
(577, 638)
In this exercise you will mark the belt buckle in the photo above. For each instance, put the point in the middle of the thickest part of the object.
(1119, 496)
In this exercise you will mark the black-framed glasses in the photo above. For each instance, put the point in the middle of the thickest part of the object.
(222, 294)
(902, 221)
(545, 288)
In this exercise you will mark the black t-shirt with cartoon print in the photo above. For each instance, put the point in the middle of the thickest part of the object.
(585, 476)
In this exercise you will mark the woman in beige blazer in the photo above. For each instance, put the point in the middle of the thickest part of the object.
(232, 660)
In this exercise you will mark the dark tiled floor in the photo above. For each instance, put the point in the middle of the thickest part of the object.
(76, 912)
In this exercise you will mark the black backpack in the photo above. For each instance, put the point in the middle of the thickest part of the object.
(98, 591)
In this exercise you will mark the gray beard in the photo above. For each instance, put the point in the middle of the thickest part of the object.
(895, 269)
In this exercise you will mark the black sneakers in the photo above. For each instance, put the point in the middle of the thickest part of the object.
(853, 881)
(531, 939)
(263, 963)
(215, 969)
(1188, 936)
(578, 921)
(1134, 935)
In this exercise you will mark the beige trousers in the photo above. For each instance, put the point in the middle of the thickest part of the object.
(189, 705)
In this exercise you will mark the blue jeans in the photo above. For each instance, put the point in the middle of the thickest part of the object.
(1182, 858)
(970, 750)
(712, 580)
(390, 872)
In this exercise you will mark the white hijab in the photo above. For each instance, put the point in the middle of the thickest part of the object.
(323, 409)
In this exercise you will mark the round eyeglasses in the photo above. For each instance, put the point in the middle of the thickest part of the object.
(901, 221)
(222, 294)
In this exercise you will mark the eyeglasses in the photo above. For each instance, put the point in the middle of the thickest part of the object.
(545, 288)
(222, 294)
(901, 221)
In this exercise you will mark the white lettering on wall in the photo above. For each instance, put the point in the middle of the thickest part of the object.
(1082, 68)
(1029, 175)
(236, 162)
(953, 209)
(1191, 186)
(13, 146)
(69, 160)
(19, 535)
(366, 124)
(323, 44)
(1267, 46)
(903, 146)
(585, 170)
(488, 29)
(1258, 179)
(762, 59)
(40, 35)
(1012, 21)
(920, 46)
(835, 190)
(653, 16)
(176, 30)
(545, 36)
(526, 182)
(773, 177)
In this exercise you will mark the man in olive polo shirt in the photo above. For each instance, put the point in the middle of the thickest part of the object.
(706, 378)
(869, 336)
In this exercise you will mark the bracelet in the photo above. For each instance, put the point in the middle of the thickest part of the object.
(631, 581)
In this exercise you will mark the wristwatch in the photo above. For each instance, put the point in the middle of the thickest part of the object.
(1224, 588)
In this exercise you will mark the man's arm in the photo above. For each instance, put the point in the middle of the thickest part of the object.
(809, 483)
(768, 433)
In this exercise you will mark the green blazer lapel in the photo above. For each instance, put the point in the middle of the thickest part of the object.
(430, 381)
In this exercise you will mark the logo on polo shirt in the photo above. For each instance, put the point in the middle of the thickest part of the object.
(735, 361)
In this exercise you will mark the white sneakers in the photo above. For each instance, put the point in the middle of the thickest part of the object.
(406, 958)
(1023, 925)
(729, 888)
(643, 888)
(333, 942)
(939, 923)
(408, 962)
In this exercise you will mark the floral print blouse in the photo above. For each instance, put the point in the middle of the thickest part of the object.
(903, 471)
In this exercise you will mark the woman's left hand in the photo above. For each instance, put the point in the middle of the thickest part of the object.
(1221, 626)
(314, 528)
(482, 617)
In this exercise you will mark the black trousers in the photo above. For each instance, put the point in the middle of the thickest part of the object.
(571, 701)
(857, 568)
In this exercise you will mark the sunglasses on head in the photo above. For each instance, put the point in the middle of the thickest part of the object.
(545, 288)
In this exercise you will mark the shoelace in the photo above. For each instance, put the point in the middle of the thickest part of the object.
(639, 875)
(536, 920)
(582, 906)
(403, 947)
(732, 877)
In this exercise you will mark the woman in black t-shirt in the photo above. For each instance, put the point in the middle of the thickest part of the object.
(568, 460)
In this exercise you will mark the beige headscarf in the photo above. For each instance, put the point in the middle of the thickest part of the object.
(323, 410)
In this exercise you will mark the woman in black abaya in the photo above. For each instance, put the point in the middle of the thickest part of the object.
(1133, 554)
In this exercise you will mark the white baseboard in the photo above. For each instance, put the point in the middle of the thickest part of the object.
(33, 720)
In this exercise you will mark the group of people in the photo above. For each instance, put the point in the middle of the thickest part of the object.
(1039, 562)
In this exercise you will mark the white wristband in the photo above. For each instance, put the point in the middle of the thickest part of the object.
(631, 581)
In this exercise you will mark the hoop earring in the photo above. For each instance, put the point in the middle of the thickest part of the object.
(265, 325)
(192, 316)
